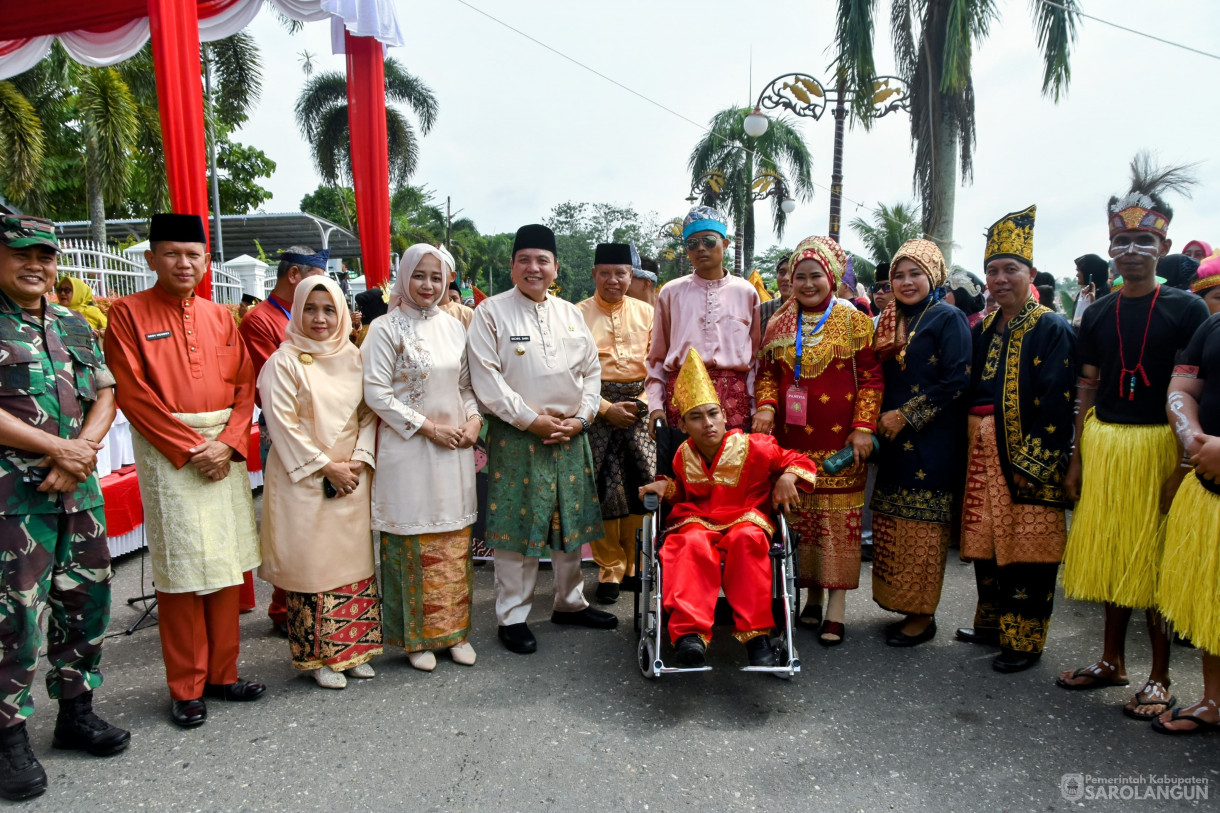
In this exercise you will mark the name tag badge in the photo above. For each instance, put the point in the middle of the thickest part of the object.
(518, 338)
(152, 337)
(796, 406)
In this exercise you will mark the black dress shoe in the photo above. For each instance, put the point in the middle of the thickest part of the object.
(631, 584)
(689, 651)
(518, 638)
(974, 635)
(1011, 661)
(607, 592)
(77, 728)
(188, 713)
(588, 617)
(238, 691)
(899, 638)
(760, 651)
(21, 775)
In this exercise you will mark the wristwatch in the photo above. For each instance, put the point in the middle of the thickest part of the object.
(584, 425)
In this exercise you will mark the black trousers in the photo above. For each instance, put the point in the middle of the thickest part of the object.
(1016, 599)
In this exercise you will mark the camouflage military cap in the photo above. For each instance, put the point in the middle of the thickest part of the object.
(17, 231)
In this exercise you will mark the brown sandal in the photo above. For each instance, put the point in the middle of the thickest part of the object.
(832, 628)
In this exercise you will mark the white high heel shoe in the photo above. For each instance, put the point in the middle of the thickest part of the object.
(463, 654)
(423, 661)
(328, 678)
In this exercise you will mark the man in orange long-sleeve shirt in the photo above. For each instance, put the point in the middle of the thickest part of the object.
(185, 382)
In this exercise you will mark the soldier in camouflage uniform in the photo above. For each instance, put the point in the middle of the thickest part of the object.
(56, 405)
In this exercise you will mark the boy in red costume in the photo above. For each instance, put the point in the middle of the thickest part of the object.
(722, 495)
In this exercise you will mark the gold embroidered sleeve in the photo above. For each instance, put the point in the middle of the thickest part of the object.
(802, 474)
(919, 411)
(868, 407)
(766, 388)
(1036, 462)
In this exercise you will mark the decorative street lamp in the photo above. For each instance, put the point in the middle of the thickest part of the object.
(669, 236)
(804, 96)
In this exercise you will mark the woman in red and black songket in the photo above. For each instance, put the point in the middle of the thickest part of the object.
(924, 345)
(826, 400)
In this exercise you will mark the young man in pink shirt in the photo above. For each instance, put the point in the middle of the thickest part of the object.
(713, 312)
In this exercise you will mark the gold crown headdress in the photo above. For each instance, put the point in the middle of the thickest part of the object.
(1012, 236)
(693, 387)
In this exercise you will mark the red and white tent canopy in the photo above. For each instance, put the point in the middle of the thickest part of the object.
(104, 32)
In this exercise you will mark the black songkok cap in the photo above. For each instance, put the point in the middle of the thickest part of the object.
(883, 272)
(536, 235)
(612, 254)
(250, 299)
(173, 228)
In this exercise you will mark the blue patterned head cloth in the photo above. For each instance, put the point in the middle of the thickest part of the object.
(637, 267)
(704, 218)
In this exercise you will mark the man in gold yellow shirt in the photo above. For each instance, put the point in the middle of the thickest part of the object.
(623, 453)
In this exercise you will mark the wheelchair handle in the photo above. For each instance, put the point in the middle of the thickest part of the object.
(651, 502)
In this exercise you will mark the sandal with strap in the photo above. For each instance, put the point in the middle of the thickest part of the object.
(811, 616)
(1099, 678)
(1153, 689)
(832, 628)
(1201, 726)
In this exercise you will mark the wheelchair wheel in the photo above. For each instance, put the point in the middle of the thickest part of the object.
(646, 658)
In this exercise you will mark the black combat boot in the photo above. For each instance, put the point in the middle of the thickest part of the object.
(21, 777)
(77, 728)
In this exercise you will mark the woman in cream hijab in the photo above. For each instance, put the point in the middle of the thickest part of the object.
(316, 539)
(417, 381)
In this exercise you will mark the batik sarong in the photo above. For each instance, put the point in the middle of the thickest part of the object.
(426, 584)
(624, 459)
(908, 563)
(539, 495)
(339, 628)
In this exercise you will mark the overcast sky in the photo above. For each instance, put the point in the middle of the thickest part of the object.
(520, 129)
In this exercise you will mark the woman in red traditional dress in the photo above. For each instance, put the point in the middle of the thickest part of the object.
(819, 391)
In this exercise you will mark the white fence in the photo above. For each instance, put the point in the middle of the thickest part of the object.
(111, 274)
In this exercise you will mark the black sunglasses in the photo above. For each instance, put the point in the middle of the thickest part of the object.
(882, 288)
(709, 241)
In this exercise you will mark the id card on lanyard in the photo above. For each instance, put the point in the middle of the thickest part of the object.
(796, 399)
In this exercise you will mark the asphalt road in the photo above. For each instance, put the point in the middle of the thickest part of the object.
(575, 727)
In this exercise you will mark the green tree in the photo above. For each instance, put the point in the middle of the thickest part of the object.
(740, 159)
(335, 203)
(579, 227)
(94, 141)
(934, 43)
(890, 227)
(321, 114)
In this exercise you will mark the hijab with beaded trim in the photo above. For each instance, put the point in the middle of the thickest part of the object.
(331, 364)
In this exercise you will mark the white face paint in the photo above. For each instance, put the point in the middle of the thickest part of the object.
(1134, 248)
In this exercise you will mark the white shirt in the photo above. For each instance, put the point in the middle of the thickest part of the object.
(532, 358)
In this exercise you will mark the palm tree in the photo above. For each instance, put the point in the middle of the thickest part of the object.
(101, 125)
(891, 226)
(934, 42)
(727, 149)
(321, 113)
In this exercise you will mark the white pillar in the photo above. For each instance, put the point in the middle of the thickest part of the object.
(252, 272)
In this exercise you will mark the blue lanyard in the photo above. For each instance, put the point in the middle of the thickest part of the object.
(283, 310)
(800, 335)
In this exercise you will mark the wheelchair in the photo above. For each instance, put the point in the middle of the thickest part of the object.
(650, 617)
